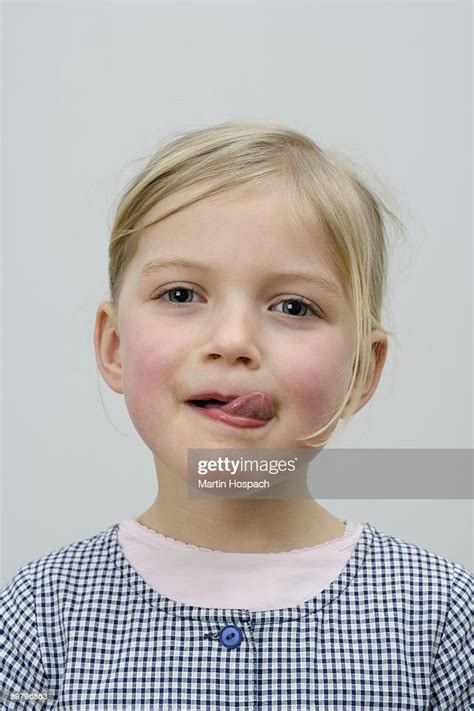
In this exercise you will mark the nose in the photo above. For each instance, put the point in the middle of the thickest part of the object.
(233, 338)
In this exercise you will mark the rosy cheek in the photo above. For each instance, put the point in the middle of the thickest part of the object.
(309, 398)
(148, 366)
(313, 387)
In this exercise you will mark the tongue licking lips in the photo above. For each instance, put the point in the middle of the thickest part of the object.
(256, 405)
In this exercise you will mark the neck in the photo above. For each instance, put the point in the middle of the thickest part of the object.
(238, 525)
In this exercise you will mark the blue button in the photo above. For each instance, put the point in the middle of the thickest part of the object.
(230, 636)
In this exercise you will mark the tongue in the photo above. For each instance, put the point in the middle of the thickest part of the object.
(257, 405)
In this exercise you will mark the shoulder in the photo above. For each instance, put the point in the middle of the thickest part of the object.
(416, 569)
(82, 560)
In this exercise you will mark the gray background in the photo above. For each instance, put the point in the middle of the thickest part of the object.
(89, 89)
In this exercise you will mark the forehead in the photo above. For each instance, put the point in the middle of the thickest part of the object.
(257, 226)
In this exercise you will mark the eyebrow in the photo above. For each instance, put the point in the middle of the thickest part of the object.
(157, 265)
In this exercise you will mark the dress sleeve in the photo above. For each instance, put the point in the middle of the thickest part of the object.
(22, 670)
(452, 674)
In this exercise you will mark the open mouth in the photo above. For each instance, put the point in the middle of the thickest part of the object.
(208, 403)
(250, 410)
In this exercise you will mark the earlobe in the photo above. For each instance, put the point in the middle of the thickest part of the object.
(107, 346)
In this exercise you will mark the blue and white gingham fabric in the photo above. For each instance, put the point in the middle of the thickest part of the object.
(392, 631)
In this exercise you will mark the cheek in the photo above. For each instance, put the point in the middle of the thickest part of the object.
(315, 381)
(149, 363)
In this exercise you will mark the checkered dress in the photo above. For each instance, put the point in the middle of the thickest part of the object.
(392, 631)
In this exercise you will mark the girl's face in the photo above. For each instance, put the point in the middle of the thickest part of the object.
(234, 326)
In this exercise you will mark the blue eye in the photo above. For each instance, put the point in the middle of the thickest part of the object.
(300, 301)
(179, 289)
(182, 292)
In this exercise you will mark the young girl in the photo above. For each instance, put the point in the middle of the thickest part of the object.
(247, 273)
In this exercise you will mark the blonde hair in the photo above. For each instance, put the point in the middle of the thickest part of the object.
(324, 190)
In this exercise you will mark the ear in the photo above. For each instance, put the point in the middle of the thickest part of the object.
(107, 346)
(379, 355)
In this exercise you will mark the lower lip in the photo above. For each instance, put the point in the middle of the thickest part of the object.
(216, 414)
